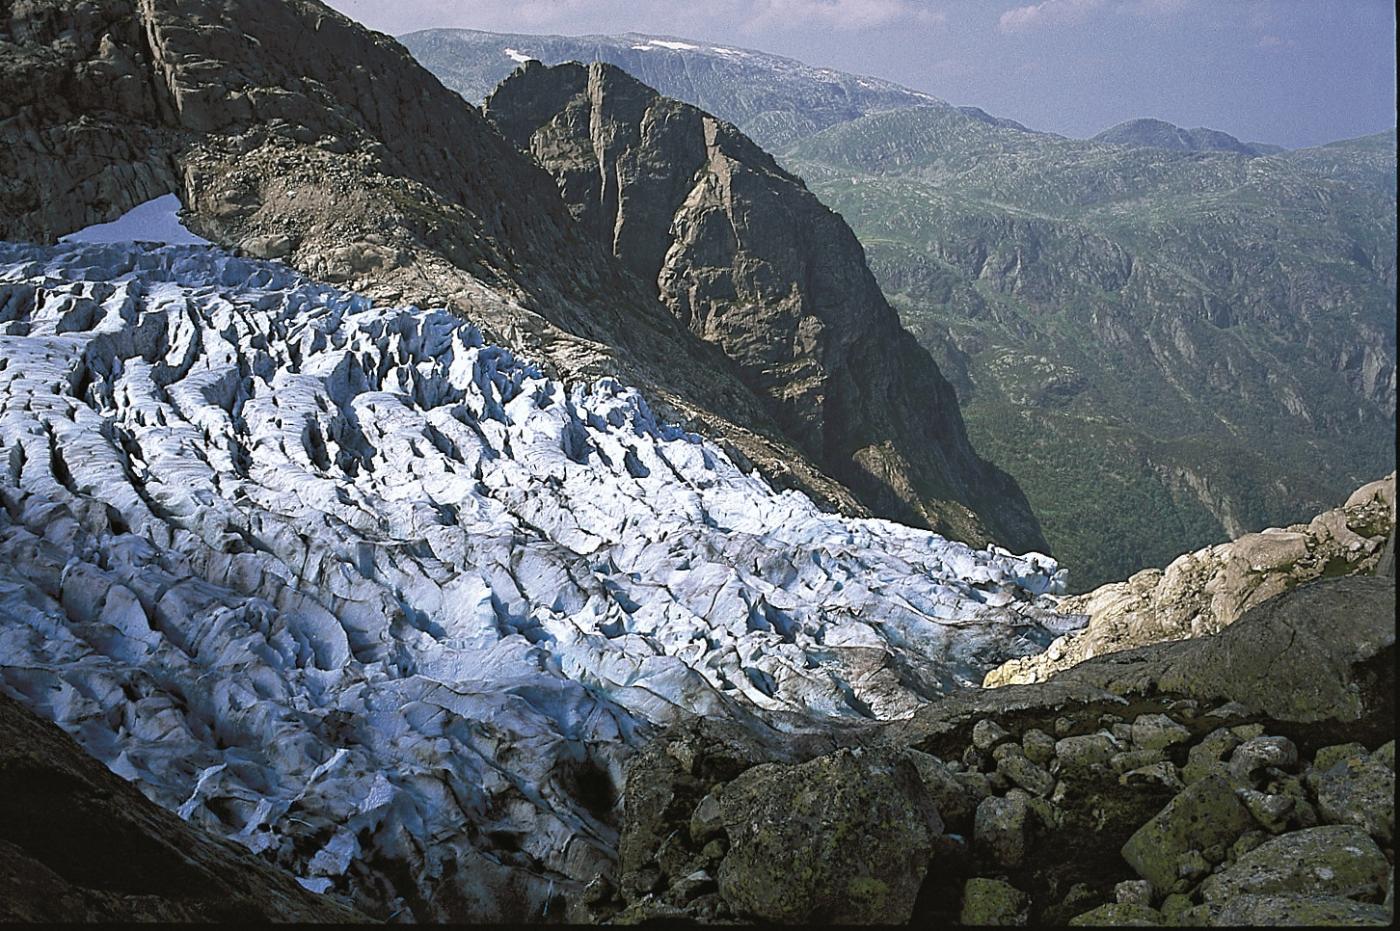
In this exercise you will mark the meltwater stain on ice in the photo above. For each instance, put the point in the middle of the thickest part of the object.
(156, 220)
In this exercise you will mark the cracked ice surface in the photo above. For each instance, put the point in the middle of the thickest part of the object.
(345, 584)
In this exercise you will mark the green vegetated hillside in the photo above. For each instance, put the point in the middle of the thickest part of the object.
(1165, 347)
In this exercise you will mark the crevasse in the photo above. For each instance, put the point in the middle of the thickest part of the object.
(344, 583)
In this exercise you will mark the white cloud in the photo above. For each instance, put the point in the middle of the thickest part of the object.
(1273, 41)
(1047, 12)
(1059, 12)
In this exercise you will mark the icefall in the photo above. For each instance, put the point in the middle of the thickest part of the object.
(347, 585)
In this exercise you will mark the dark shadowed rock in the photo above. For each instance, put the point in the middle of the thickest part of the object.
(844, 838)
(78, 843)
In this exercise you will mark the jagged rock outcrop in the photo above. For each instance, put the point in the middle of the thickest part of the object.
(1203, 592)
(80, 844)
(747, 258)
(1234, 778)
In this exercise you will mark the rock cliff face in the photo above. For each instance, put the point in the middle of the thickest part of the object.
(751, 262)
(1202, 592)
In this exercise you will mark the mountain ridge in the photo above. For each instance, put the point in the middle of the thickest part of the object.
(1159, 134)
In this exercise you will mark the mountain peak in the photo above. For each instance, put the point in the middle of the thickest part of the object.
(751, 262)
(1159, 134)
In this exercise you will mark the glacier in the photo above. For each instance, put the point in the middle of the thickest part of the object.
(348, 585)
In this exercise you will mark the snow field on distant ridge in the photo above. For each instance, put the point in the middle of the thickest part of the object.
(345, 584)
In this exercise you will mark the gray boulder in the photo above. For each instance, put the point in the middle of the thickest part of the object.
(843, 838)
(1361, 792)
(1003, 827)
(993, 903)
(1206, 814)
(1287, 910)
(1330, 860)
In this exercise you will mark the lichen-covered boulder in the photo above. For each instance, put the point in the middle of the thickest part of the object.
(1361, 792)
(1329, 860)
(1013, 763)
(1259, 753)
(1002, 828)
(1206, 814)
(1157, 732)
(1080, 754)
(954, 801)
(1118, 915)
(1328, 757)
(843, 838)
(993, 903)
(1288, 910)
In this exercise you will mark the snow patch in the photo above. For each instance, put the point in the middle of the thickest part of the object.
(516, 56)
(156, 221)
(674, 46)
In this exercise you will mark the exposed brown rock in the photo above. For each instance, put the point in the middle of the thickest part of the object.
(750, 261)
(290, 131)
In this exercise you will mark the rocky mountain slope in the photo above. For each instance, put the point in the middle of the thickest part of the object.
(80, 844)
(374, 176)
(776, 100)
(1202, 343)
(393, 608)
(1203, 592)
(1164, 348)
(751, 262)
(1159, 134)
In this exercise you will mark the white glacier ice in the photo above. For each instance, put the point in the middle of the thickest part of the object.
(345, 584)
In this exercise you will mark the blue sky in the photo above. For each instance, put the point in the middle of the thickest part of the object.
(1292, 72)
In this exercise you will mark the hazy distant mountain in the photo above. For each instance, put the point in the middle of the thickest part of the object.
(1159, 134)
(776, 100)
